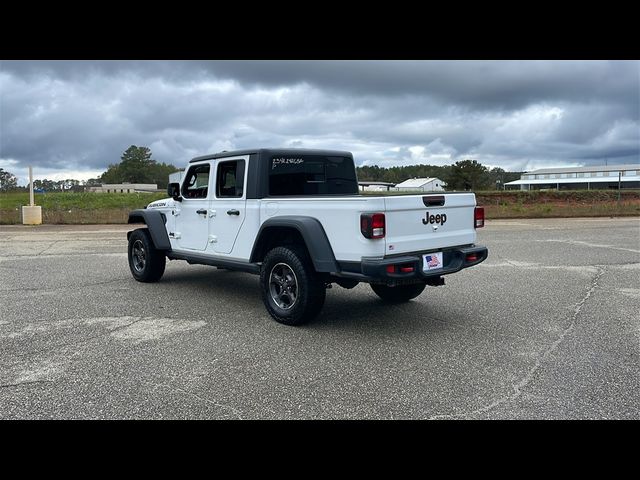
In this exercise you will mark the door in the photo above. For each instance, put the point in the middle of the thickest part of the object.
(192, 224)
(228, 207)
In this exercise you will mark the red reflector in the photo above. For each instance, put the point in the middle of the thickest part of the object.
(478, 217)
(472, 257)
(391, 269)
(406, 269)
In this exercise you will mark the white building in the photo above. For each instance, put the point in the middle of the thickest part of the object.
(125, 188)
(422, 184)
(580, 178)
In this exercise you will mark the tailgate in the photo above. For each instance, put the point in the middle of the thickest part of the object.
(417, 223)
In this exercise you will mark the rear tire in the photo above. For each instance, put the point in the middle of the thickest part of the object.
(292, 291)
(146, 262)
(400, 293)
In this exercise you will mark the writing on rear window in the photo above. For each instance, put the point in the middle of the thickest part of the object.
(285, 161)
(312, 175)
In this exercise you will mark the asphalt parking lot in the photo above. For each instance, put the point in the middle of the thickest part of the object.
(547, 328)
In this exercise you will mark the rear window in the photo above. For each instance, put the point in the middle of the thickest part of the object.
(312, 175)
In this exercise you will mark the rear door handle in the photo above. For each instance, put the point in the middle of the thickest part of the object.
(233, 212)
(201, 212)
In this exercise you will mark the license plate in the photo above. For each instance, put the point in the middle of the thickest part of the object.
(431, 261)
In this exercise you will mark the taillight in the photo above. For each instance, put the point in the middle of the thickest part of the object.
(478, 217)
(372, 225)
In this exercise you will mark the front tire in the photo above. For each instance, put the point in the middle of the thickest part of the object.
(292, 291)
(146, 262)
(400, 293)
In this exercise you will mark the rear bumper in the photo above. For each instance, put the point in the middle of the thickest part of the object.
(375, 270)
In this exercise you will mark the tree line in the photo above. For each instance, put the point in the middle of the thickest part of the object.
(137, 166)
(462, 175)
(8, 181)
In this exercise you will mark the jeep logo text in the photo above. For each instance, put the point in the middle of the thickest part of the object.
(439, 218)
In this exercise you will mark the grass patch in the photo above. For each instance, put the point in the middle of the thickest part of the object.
(69, 207)
(59, 200)
(554, 196)
(571, 203)
(602, 209)
(100, 208)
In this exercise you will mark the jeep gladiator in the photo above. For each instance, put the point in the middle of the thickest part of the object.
(296, 218)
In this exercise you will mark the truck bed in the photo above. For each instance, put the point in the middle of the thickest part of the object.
(404, 214)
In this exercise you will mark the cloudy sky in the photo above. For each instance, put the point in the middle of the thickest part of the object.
(71, 119)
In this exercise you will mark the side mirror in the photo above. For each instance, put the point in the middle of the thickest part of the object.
(173, 190)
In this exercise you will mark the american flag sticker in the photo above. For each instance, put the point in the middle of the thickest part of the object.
(432, 261)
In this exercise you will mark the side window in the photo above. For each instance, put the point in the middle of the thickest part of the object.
(196, 182)
(230, 179)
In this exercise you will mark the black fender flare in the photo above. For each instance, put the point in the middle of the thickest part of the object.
(313, 235)
(155, 223)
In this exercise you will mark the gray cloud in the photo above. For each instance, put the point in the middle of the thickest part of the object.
(479, 84)
(80, 116)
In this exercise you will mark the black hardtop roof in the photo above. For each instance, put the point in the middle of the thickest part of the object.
(269, 152)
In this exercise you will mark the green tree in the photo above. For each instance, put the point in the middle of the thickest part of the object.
(137, 166)
(8, 181)
(468, 175)
(160, 174)
(497, 178)
(400, 174)
(93, 182)
(134, 167)
(44, 184)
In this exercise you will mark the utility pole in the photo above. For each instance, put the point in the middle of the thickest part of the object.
(619, 185)
(31, 203)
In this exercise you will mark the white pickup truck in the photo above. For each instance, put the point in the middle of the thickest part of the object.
(296, 218)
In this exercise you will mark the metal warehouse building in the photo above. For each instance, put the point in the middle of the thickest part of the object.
(424, 184)
(580, 178)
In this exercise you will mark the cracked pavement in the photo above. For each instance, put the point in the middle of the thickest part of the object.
(547, 328)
